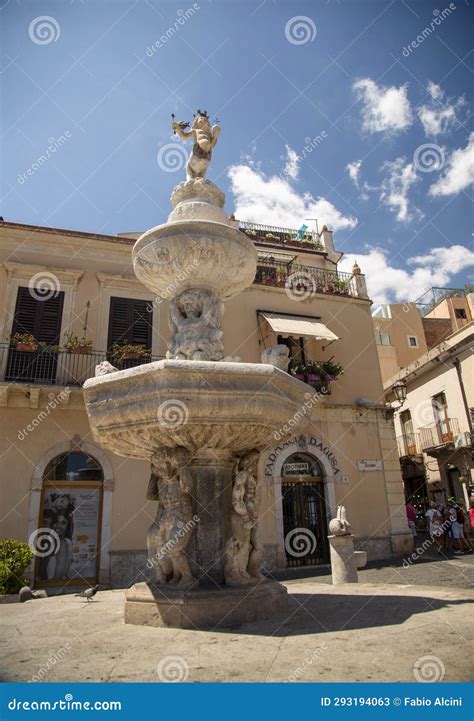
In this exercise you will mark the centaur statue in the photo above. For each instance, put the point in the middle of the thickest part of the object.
(204, 138)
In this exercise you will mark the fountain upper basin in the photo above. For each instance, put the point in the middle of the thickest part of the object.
(218, 406)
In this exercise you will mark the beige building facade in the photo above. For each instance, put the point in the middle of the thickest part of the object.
(434, 425)
(56, 282)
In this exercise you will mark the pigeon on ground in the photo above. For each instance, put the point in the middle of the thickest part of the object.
(89, 593)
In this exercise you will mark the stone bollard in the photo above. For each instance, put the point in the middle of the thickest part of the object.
(343, 563)
(341, 541)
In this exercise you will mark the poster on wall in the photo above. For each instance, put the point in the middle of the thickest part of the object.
(70, 525)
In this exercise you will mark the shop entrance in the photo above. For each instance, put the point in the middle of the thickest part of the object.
(304, 511)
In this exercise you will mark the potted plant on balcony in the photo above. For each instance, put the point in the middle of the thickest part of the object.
(330, 370)
(129, 351)
(297, 369)
(341, 287)
(24, 342)
(73, 344)
(282, 275)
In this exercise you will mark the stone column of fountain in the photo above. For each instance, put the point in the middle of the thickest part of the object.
(200, 419)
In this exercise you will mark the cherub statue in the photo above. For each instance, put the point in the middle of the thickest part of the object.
(194, 319)
(340, 526)
(170, 484)
(278, 356)
(204, 137)
(243, 553)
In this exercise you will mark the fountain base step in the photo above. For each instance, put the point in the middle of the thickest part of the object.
(153, 605)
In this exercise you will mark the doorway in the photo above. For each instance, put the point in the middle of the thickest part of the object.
(304, 511)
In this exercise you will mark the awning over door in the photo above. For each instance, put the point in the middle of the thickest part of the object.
(299, 326)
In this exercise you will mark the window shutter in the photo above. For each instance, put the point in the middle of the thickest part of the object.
(130, 321)
(41, 318)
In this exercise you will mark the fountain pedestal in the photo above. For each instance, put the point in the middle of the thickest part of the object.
(201, 422)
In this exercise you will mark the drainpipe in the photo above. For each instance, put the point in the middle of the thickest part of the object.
(457, 365)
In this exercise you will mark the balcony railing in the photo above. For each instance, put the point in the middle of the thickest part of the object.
(275, 234)
(438, 434)
(409, 445)
(48, 367)
(306, 278)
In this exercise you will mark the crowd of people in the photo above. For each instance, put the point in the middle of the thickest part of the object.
(449, 524)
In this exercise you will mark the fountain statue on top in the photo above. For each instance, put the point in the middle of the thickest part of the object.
(199, 419)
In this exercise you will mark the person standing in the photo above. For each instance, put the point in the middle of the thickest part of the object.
(411, 516)
(434, 525)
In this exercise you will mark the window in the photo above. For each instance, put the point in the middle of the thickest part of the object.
(295, 346)
(407, 432)
(440, 411)
(130, 321)
(382, 338)
(412, 341)
(40, 317)
(460, 313)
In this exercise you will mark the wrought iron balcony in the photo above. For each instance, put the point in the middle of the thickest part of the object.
(409, 445)
(439, 434)
(275, 234)
(307, 279)
(47, 366)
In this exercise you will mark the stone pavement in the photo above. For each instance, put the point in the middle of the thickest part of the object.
(363, 632)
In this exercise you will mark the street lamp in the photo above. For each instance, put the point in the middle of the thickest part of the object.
(400, 391)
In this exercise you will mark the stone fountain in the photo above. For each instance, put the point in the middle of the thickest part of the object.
(199, 418)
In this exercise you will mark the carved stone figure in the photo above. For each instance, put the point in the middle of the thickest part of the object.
(205, 138)
(243, 552)
(340, 526)
(278, 356)
(105, 367)
(170, 484)
(195, 319)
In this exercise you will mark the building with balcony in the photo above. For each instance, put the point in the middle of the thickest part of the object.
(434, 425)
(70, 301)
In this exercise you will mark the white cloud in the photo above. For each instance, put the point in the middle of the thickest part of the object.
(438, 116)
(396, 186)
(459, 173)
(388, 284)
(291, 168)
(385, 109)
(272, 201)
(354, 170)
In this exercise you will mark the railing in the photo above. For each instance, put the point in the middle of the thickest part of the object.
(49, 367)
(438, 434)
(277, 234)
(409, 445)
(301, 278)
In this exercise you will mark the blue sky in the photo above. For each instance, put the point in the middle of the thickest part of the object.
(326, 109)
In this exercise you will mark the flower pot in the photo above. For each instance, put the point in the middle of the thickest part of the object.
(312, 377)
(131, 356)
(300, 376)
(26, 347)
(81, 349)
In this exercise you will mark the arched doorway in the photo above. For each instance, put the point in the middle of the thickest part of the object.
(68, 538)
(304, 511)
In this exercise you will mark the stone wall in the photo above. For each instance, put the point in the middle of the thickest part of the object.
(436, 330)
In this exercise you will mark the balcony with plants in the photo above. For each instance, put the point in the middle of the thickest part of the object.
(317, 374)
(24, 359)
(304, 278)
